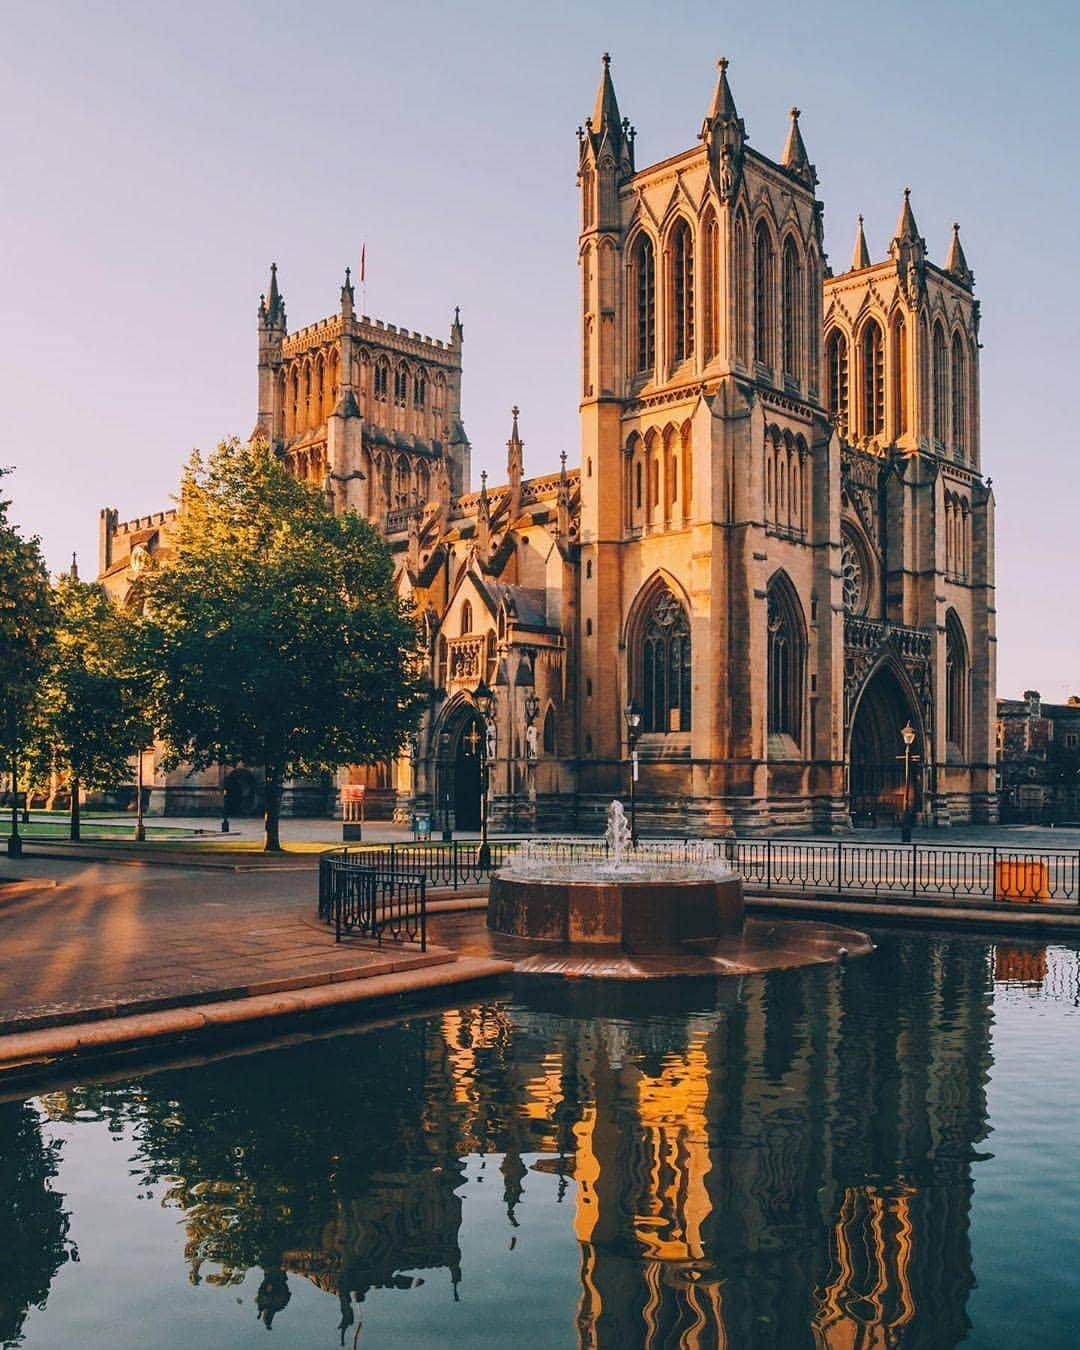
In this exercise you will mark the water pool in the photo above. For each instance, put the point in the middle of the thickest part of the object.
(874, 1155)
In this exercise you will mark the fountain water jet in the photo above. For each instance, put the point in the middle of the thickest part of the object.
(616, 910)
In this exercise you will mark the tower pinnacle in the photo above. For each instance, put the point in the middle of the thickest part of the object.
(860, 254)
(795, 158)
(956, 263)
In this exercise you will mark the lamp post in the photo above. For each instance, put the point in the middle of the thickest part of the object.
(907, 735)
(632, 713)
(14, 843)
(442, 784)
(140, 828)
(484, 699)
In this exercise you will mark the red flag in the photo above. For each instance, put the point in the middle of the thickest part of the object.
(363, 259)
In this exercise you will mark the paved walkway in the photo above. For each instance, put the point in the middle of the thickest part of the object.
(103, 941)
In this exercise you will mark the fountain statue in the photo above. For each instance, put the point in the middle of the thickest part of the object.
(613, 908)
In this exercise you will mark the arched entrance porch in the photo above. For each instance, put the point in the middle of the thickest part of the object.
(457, 769)
(876, 750)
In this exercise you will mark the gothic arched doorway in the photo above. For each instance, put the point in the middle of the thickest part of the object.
(876, 748)
(467, 775)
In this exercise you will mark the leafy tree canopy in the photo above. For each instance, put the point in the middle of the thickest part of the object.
(26, 616)
(88, 720)
(272, 635)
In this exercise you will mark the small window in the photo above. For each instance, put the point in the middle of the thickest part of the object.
(549, 732)
(466, 618)
(588, 627)
(588, 570)
(588, 686)
(588, 467)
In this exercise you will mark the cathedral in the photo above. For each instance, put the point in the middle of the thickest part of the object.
(774, 556)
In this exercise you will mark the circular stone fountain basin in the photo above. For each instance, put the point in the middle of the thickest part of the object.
(632, 910)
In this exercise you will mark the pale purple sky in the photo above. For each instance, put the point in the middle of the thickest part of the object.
(157, 157)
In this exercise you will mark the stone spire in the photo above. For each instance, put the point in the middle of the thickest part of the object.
(956, 263)
(74, 573)
(908, 249)
(907, 232)
(562, 524)
(515, 466)
(272, 309)
(860, 254)
(457, 329)
(607, 132)
(795, 159)
(483, 519)
(722, 108)
(724, 134)
(348, 295)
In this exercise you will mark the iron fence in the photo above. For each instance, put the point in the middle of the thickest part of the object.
(835, 866)
(958, 872)
(359, 898)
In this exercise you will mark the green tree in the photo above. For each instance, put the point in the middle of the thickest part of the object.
(89, 719)
(26, 618)
(273, 635)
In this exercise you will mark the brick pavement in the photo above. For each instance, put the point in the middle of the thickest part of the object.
(107, 941)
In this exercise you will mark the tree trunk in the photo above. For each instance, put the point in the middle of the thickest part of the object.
(74, 832)
(272, 817)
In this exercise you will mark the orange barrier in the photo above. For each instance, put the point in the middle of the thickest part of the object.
(1022, 879)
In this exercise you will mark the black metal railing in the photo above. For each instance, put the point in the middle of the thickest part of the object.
(834, 866)
(361, 899)
(958, 872)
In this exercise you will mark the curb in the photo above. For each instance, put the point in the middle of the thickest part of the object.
(1035, 919)
(62, 853)
(39, 1049)
(10, 889)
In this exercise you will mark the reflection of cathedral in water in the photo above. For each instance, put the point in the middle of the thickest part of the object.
(781, 1162)
(791, 1170)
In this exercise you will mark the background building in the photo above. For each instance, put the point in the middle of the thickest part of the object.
(778, 544)
(1038, 749)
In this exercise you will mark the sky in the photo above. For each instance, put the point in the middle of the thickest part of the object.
(156, 158)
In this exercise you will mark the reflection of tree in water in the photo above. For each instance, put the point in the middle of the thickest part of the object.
(34, 1240)
(336, 1160)
(783, 1162)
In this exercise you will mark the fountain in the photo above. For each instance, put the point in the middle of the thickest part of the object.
(618, 910)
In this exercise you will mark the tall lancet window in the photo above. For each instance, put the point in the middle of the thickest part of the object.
(710, 243)
(959, 396)
(740, 286)
(786, 660)
(956, 683)
(643, 264)
(682, 292)
(873, 364)
(792, 311)
(836, 356)
(941, 384)
(899, 377)
(764, 282)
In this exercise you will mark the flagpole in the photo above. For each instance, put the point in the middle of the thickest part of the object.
(363, 277)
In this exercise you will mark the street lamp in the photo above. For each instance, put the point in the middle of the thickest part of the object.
(484, 699)
(632, 713)
(907, 735)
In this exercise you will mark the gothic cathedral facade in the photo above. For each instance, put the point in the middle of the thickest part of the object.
(777, 550)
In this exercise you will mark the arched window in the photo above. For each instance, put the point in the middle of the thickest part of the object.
(419, 396)
(956, 683)
(792, 309)
(549, 732)
(741, 289)
(382, 380)
(492, 649)
(873, 371)
(710, 243)
(813, 322)
(836, 356)
(786, 661)
(941, 384)
(899, 377)
(643, 265)
(401, 385)
(402, 477)
(663, 667)
(959, 395)
(466, 618)
(855, 577)
(764, 280)
(440, 675)
(682, 292)
(423, 483)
